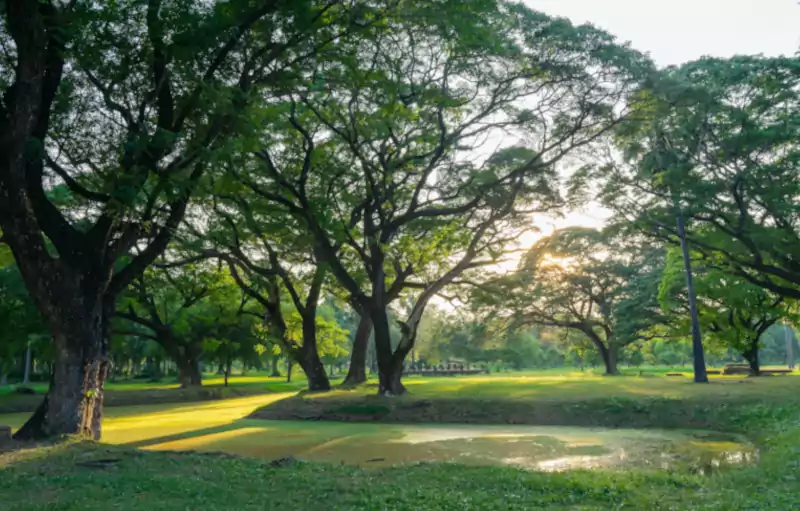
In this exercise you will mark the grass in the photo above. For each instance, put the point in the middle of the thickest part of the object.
(63, 477)
(578, 399)
(135, 392)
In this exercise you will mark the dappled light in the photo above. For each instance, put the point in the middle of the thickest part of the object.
(415, 255)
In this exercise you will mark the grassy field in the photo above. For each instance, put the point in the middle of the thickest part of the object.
(134, 392)
(74, 476)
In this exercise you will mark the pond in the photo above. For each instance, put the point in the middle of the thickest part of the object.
(527, 447)
(222, 426)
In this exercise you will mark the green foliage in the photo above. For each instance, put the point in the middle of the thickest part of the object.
(733, 312)
(21, 323)
(595, 282)
(718, 137)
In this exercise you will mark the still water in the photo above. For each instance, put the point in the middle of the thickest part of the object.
(527, 447)
(223, 426)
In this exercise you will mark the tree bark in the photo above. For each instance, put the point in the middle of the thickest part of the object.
(189, 371)
(698, 352)
(228, 364)
(390, 372)
(309, 355)
(609, 355)
(276, 373)
(357, 373)
(73, 405)
(751, 355)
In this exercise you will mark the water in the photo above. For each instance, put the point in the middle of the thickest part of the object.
(526, 447)
(223, 426)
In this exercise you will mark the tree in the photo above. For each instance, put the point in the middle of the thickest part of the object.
(269, 265)
(126, 103)
(585, 280)
(731, 126)
(379, 156)
(182, 309)
(733, 311)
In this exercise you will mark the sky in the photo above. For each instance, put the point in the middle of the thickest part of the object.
(677, 31)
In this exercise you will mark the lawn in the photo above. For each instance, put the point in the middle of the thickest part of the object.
(70, 476)
(134, 392)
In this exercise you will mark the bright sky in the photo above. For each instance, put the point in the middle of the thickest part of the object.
(677, 31)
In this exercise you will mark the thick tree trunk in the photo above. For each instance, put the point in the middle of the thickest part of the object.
(189, 372)
(289, 364)
(276, 373)
(751, 355)
(390, 381)
(309, 356)
(357, 373)
(608, 351)
(73, 405)
(610, 360)
(390, 364)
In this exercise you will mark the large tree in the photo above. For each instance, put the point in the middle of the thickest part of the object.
(126, 103)
(420, 153)
(718, 138)
(585, 280)
(181, 309)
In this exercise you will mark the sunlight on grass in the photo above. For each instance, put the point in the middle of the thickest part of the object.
(140, 423)
(201, 441)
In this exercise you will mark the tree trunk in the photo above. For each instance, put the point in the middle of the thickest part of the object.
(751, 355)
(289, 364)
(189, 372)
(390, 381)
(26, 378)
(357, 373)
(276, 373)
(73, 405)
(3, 375)
(698, 352)
(609, 360)
(228, 364)
(309, 356)
(390, 370)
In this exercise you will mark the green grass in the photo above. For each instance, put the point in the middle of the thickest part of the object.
(767, 410)
(252, 379)
(134, 392)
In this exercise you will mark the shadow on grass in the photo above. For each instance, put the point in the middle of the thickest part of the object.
(197, 433)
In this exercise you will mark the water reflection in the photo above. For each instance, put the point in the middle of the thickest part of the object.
(526, 447)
